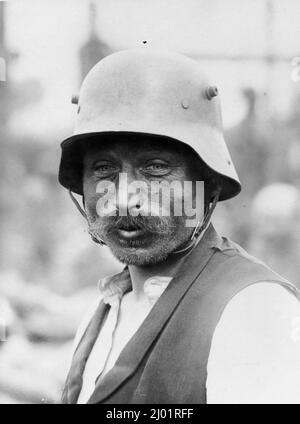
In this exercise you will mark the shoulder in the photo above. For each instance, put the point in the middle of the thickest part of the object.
(232, 270)
(244, 269)
(260, 306)
(255, 351)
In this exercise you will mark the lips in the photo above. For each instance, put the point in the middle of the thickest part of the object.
(130, 232)
(137, 229)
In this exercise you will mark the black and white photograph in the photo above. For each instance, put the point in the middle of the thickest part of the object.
(150, 204)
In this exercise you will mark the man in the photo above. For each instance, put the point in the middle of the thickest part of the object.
(192, 318)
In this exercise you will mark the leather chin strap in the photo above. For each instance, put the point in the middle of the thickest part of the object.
(82, 212)
(197, 233)
(201, 225)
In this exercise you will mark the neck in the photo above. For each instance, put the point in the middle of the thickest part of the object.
(140, 273)
(167, 268)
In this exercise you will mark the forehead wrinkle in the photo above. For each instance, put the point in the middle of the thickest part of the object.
(125, 148)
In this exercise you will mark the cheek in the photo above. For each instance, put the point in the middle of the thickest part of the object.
(106, 198)
(166, 199)
(100, 197)
(90, 196)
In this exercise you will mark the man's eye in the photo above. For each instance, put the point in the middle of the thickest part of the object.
(157, 168)
(105, 169)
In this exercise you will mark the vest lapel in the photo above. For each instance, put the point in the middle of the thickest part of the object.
(135, 350)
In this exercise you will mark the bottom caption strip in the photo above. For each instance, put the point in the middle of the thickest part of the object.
(153, 414)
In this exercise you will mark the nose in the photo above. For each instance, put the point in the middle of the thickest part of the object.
(130, 194)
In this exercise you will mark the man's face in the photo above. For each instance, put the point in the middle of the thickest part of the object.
(149, 228)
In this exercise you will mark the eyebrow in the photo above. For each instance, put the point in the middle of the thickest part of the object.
(110, 153)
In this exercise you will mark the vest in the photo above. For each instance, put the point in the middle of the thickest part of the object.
(165, 362)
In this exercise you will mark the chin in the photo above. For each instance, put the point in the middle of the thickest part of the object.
(140, 255)
(143, 251)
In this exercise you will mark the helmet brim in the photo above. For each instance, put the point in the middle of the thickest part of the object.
(73, 150)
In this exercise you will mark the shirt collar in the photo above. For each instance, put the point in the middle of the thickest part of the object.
(112, 288)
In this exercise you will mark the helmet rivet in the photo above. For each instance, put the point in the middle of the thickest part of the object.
(75, 99)
(211, 91)
(185, 104)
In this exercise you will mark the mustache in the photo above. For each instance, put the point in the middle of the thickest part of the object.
(153, 224)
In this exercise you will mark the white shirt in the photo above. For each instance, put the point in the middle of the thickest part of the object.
(105, 352)
(255, 351)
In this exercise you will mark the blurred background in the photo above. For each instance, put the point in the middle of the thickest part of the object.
(49, 267)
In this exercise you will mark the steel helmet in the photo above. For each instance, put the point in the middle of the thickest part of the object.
(150, 92)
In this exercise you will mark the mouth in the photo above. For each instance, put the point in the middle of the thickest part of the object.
(130, 232)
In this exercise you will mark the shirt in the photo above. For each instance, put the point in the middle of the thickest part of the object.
(264, 316)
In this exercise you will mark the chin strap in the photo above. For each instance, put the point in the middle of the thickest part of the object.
(82, 212)
(79, 208)
(201, 226)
